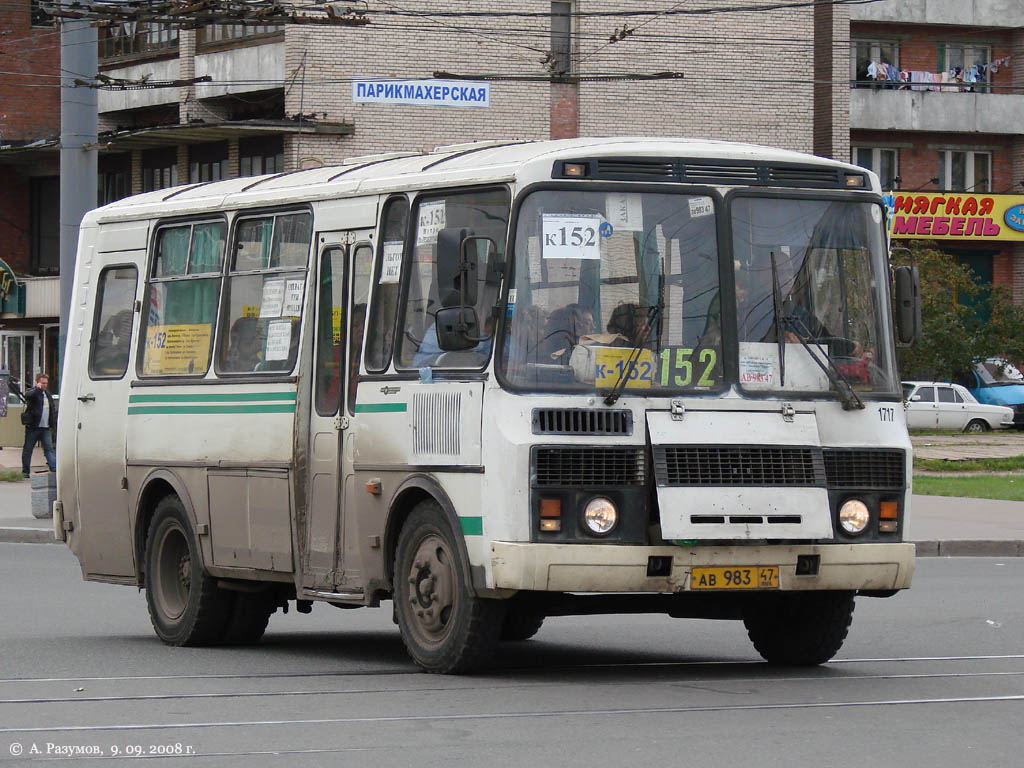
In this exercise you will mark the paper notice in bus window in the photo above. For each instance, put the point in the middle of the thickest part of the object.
(533, 255)
(624, 211)
(432, 219)
(279, 340)
(273, 298)
(336, 326)
(701, 206)
(610, 362)
(292, 299)
(391, 262)
(758, 369)
(571, 237)
(176, 349)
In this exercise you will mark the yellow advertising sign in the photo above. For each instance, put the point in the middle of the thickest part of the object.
(336, 325)
(612, 361)
(177, 349)
(956, 216)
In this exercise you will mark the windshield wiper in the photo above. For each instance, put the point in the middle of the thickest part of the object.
(851, 400)
(634, 355)
(780, 336)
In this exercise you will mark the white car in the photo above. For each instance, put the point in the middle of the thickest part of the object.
(936, 405)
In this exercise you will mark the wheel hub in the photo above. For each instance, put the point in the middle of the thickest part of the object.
(431, 580)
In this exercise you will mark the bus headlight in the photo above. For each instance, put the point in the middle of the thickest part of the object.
(600, 516)
(854, 516)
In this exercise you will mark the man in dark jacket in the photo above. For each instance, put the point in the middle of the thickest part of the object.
(40, 416)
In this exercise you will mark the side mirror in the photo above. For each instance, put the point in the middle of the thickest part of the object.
(915, 398)
(457, 328)
(908, 305)
(460, 255)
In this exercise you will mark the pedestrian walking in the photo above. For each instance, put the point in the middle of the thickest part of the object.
(39, 417)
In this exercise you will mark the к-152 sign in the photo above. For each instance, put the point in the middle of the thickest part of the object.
(956, 216)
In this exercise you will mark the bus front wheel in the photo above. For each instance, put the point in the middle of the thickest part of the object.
(185, 605)
(445, 628)
(799, 629)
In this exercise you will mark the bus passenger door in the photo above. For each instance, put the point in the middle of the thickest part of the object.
(337, 340)
(105, 343)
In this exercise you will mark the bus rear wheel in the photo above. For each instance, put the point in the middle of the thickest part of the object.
(446, 629)
(799, 629)
(185, 605)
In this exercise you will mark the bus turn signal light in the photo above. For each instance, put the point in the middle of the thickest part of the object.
(551, 515)
(888, 512)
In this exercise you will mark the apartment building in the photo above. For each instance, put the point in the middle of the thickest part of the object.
(937, 110)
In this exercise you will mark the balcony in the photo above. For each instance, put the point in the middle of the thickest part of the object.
(994, 13)
(884, 110)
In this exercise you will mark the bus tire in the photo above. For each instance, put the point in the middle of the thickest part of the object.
(248, 618)
(520, 625)
(445, 628)
(185, 604)
(800, 629)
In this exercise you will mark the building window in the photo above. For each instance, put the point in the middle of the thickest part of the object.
(159, 169)
(130, 38)
(208, 162)
(216, 33)
(259, 156)
(44, 226)
(561, 38)
(115, 178)
(866, 55)
(881, 161)
(965, 171)
(39, 17)
(966, 63)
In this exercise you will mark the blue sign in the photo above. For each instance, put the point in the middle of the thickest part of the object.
(423, 93)
(1014, 217)
(606, 229)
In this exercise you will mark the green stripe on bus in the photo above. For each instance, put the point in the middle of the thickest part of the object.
(217, 397)
(380, 407)
(272, 408)
(472, 526)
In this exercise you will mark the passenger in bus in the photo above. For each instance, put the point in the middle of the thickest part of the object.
(563, 330)
(245, 348)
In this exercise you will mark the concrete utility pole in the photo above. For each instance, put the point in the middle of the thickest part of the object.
(78, 128)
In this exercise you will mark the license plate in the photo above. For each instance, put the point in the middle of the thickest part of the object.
(735, 577)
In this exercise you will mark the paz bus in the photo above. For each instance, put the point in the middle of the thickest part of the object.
(494, 383)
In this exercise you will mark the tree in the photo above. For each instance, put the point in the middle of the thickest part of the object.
(962, 321)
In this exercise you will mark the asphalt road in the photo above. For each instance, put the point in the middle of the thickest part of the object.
(932, 677)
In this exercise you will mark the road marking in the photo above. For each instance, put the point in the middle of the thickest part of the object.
(518, 715)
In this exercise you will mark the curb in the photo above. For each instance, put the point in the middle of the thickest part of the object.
(971, 548)
(27, 536)
(948, 548)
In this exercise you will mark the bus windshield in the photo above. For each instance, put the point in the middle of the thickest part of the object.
(605, 278)
(811, 273)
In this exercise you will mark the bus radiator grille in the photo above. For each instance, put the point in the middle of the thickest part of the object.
(865, 468)
(729, 465)
(572, 467)
(581, 421)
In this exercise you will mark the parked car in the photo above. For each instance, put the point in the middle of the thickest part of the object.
(937, 405)
(996, 381)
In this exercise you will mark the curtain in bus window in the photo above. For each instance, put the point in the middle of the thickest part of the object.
(172, 251)
(291, 240)
(207, 248)
(253, 244)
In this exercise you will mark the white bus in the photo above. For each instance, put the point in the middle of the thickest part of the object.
(494, 383)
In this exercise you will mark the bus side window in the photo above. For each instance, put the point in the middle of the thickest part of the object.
(265, 292)
(380, 338)
(181, 303)
(112, 337)
(362, 264)
(483, 213)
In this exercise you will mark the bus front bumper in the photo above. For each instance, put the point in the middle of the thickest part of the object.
(610, 568)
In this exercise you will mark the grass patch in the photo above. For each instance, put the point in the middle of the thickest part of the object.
(976, 486)
(1004, 464)
(11, 476)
